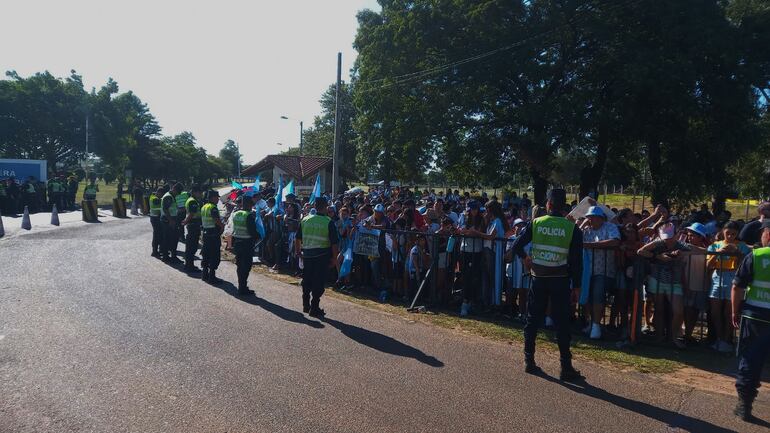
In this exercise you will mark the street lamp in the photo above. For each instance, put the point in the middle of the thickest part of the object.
(301, 133)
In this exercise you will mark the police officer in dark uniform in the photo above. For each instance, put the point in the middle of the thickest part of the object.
(557, 265)
(157, 227)
(212, 238)
(751, 314)
(245, 236)
(316, 243)
(192, 221)
(168, 219)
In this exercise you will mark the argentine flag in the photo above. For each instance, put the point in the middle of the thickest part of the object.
(289, 189)
(278, 207)
(316, 189)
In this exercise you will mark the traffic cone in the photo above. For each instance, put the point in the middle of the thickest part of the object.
(25, 223)
(134, 210)
(2, 229)
(54, 216)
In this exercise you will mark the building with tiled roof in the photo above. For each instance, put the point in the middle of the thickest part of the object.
(301, 169)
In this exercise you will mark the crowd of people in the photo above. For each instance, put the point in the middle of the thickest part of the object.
(680, 266)
(60, 190)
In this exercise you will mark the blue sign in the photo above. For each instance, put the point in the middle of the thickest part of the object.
(22, 169)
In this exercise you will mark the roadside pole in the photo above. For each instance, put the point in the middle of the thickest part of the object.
(337, 130)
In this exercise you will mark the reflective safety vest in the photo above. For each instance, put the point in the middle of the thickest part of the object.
(758, 292)
(207, 218)
(240, 228)
(30, 188)
(90, 190)
(181, 199)
(551, 237)
(172, 210)
(154, 205)
(315, 232)
(189, 202)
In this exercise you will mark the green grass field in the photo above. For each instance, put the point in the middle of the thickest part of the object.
(104, 196)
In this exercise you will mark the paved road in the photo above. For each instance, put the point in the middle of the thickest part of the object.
(141, 347)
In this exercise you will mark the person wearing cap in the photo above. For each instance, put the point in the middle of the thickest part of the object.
(245, 236)
(600, 237)
(725, 256)
(212, 238)
(169, 214)
(157, 228)
(696, 239)
(751, 314)
(192, 221)
(316, 243)
(665, 281)
(752, 231)
(556, 260)
(378, 221)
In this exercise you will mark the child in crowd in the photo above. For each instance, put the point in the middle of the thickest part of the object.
(729, 253)
(398, 258)
(415, 266)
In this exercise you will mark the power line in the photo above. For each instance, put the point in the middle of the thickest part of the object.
(418, 75)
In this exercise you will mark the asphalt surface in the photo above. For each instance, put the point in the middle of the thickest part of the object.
(95, 335)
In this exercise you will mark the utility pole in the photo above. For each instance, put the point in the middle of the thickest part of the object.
(301, 133)
(336, 152)
(238, 159)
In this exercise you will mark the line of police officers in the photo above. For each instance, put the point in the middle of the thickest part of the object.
(171, 210)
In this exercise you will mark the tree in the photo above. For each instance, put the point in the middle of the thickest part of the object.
(231, 155)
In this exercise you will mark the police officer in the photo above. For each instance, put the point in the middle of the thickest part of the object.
(244, 238)
(89, 193)
(192, 221)
(157, 227)
(316, 244)
(751, 314)
(557, 266)
(212, 238)
(181, 199)
(168, 218)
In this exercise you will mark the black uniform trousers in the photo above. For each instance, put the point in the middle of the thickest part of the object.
(754, 348)
(558, 290)
(314, 279)
(157, 233)
(181, 213)
(244, 254)
(191, 242)
(211, 250)
(170, 239)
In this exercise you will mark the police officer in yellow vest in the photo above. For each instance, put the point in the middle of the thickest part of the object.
(169, 214)
(557, 265)
(751, 314)
(245, 236)
(157, 227)
(316, 243)
(192, 221)
(89, 193)
(212, 238)
(181, 199)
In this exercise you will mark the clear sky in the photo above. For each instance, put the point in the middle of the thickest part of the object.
(220, 69)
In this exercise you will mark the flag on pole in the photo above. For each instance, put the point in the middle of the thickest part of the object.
(289, 189)
(256, 184)
(316, 189)
(260, 226)
(236, 185)
(250, 191)
(278, 197)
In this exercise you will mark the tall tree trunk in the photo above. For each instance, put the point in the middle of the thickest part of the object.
(658, 193)
(540, 186)
(592, 174)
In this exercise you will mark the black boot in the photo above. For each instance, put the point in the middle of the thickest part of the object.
(205, 274)
(213, 277)
(305, 303)
(315, 310)
(530, 367)
(743, 409)
(569, 374)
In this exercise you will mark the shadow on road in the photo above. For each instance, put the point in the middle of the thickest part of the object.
(672, 419)
(383, 343)
(275, 309)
